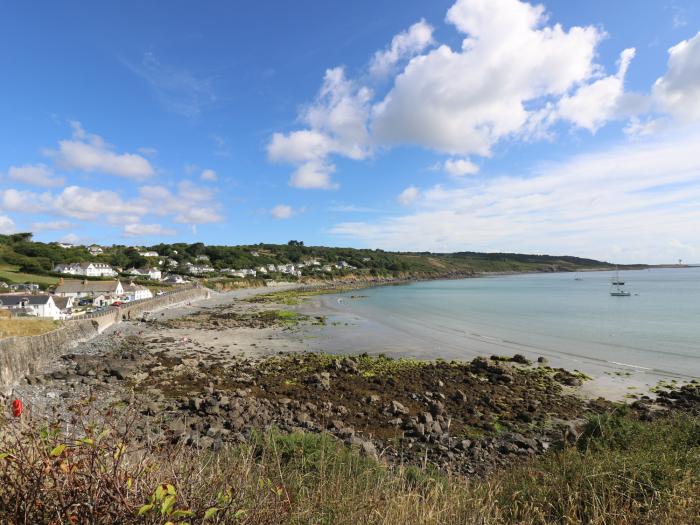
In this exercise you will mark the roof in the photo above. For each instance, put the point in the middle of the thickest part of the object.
(95, 287)
(132, 287)
(61, 302)
(17, 299)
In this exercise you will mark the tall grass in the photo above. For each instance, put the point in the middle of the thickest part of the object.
(622, 471)
(23, 326)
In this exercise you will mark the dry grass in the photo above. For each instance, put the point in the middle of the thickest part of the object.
(23, 326)
(622, 472)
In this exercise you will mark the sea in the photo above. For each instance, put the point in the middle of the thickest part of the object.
(575, 324)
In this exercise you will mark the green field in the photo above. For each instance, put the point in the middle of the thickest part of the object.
(12, 274)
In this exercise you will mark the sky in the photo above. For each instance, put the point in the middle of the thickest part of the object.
(470, 125)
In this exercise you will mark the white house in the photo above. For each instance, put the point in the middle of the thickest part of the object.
(262, 269)
(198, 269)
(148, 254)
(136, 292)
(174, 279)
(66, 245)
(147, 273)
(245, 272)
(203, 258)
(88, 288)
(95, 250)
(34, 305)
(88, 269)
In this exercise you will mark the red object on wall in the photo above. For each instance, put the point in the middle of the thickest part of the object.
(17, 408)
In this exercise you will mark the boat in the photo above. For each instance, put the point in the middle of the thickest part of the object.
(619, 292)
(616, 288)
(578, 277)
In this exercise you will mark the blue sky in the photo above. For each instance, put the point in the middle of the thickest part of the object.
(499, 125)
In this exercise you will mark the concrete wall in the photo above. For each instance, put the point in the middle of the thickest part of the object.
(20, 356)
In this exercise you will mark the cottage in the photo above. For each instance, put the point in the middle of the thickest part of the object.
(148, 254)
(88, 269)
(146, 273)
(64, 304)
(136, 292)
(88, 288)
(95, 250)
(174, 279)
(34, 305)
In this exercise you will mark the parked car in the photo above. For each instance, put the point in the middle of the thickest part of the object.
(117, 303)
(85, 302)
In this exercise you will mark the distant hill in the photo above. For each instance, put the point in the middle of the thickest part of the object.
(21, 256)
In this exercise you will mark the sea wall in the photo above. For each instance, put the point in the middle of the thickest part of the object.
(20, 356)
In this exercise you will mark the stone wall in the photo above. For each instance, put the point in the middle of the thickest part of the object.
(20, 356)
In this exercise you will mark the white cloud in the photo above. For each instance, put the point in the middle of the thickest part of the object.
(51, 226)
(25, 201)
(408, 196)
(678, 91)
(460, 167)
(7, 225)
(208, 175)
(70, 238)
(87, 204)
(191, 204)
(404, 45)
(90, 153)
(35, 175)
(626, 203)
(146, 230)
(282, 211)
(594, 104)
(337, 124)
(462, 102)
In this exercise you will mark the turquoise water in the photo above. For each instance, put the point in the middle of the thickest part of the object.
(574, 323)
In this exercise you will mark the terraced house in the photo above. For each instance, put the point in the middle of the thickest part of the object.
(88, 269)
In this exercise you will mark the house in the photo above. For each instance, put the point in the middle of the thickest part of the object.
(172, 263)
(88, 288)
(136, 292)
(195, 269)
(148, 254)
(204, 258)
(262, 269)
(174, 279)
(34, 305)
(255, 254)
(88, 269)
(24, 287)
(245, 272)
(65, 304)
(66, 245)
(95, 250)
(146, 273)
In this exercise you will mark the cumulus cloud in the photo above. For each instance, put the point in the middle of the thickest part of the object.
(337, 124)
(282, 211)
(464, 101)
(90, 153)
(678, 91)
(35, 175)
(460, 167)
(514, 76)
(191, 204)
(146, 230)
(7, 225)
(594, 104)
(404, 45)
(408, 196)
(208, 175)
(626, 203)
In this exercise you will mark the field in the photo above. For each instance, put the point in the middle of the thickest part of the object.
(13, 275)
(25, 326)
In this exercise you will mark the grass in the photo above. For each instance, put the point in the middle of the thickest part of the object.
(622, 471)
(13, 275)
(20, 326)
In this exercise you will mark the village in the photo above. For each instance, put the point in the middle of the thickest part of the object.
(90, 287)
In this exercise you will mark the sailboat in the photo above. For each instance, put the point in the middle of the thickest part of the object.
(616, 290)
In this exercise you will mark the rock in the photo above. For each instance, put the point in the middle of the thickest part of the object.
(426, 417)
(465, 444)
(196, 403)
(349, 365)
(542, 360)
(119, 373)
(374, 398)
(58, 374)
(368, 449)
(520, 359)
(398, 409)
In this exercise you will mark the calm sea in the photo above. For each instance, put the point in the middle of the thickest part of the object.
(574, 323)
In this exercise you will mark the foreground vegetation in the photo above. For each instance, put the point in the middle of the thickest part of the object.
(620, 471)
